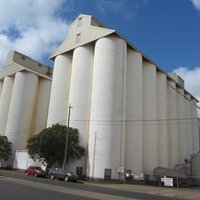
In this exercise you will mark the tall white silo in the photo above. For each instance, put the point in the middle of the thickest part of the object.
(181, 122)
(188, 116)
(80, 95)
(5, 102)
(1, 86)
(172, 124)
(150, 117)
(163, 137)
(42, 105)
(22, 106)
(58, 105)
(134, 113)
(195, 126)
(106, 130)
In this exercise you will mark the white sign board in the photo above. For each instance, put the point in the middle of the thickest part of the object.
(167, 181)
(120, 169)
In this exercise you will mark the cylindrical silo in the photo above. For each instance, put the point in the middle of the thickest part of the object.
(195, 126)
(172, 125)
(188, 116)
(134, 113)
(80, 96)
(42, 105)
(106, 131)
(1, 85)
(58, 105)
(150, 144)
(163, 137)
(5, 102)
(21, 113)
(181, 125)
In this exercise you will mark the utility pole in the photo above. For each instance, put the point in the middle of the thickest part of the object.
(66, 142)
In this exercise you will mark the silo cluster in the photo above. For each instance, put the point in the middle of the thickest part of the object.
(24, 97)
(130, 114)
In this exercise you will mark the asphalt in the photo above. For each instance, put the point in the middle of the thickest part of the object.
(184, 193)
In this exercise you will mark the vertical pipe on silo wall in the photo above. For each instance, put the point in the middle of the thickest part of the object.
(181, 125)
(5, 102)
(22, 106)
(195, 126)
(188, 116)
(150, 117)
(80, 94)
(163, 137)
(42, 105)
(172, 125)
(134, 113)
(105, 134)
(58, 105)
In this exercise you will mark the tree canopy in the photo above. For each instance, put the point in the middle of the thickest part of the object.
(5, 149)
(49, 145)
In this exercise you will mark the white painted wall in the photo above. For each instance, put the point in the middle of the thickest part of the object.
(42, 105)
(21, 113)
(105, 134)
(163, 136)
(150, 117)
(23, 161)
(134, 113)
(172, 125)
(59, 98)
(5, 102)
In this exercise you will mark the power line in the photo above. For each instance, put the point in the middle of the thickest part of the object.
(179, 121)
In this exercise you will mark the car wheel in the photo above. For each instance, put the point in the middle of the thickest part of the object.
(52, 177)
(66, 178)
(27, 174)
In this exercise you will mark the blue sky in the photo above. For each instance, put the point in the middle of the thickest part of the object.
(166, 31)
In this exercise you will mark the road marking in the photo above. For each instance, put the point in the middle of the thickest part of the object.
(76, 192)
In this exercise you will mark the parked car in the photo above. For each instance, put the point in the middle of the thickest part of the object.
(35, 171)
(62, 174)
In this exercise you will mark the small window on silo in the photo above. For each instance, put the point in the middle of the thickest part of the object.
(78, 37)
(80, 21)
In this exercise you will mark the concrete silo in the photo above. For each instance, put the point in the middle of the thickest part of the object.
(80, 96)
(105, 135)
(59, 98)
(5, 102)
(19, 126)
(134, 112)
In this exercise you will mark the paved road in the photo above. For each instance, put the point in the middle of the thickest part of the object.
(20, 187)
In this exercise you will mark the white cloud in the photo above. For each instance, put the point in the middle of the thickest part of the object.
(192, 82)
(196, 4)
(31, 27)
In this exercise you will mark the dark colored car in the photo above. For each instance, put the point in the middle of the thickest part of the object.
(62, 174)
(35, 171)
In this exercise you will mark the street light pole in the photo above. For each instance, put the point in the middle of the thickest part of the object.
(66, 142)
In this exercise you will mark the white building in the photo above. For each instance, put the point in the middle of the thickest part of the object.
(131, 114)
(24, 98)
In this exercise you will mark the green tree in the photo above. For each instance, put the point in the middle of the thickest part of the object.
(5, 149)
(49, 145)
